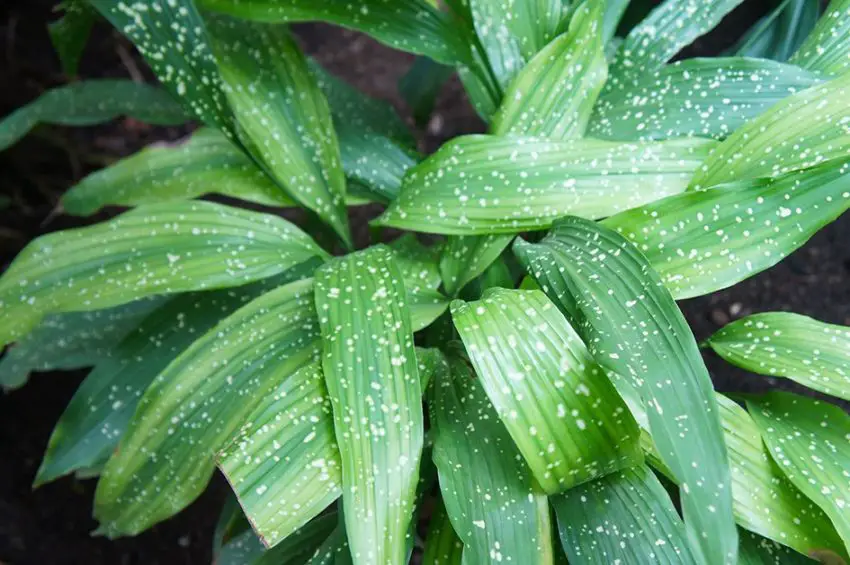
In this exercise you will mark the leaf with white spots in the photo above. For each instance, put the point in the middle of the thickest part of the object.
(553, 95)
(409, 25)
(626, 517)
(756, 550)
(798, 132)
(92, 102)
(704, 241)
(493, 502)
(284, 119)
(442, 546)
(781, 344)
(780, 33)
(634, 330)
(372, 378)
(558, 405)
(296, 549)
(466, 257)
(808, 440)
(70, 33)
(482, 184)
(373, 164)
(172, 38)
(696, 97)
(150, 250)
(827, 49)
(334, 550)
(198, 402)
(418, 263)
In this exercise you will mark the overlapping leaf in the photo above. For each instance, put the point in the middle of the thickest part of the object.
(558, 405)
(827, 48)
(465, 257)
(779, 34)
(372, 378)
(421, 85)
(442, 546)
(418, 263)
(635, 331)
(478, 185)
(374, 165)
(150, 250)
(197, 403)
(756, 550)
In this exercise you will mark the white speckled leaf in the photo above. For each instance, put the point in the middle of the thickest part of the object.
(92, 102)
(151, 250)
(800, 131)
(481, 184)
(494, 504)
(782, 344)
(626, 517)
(780, 33)
(553, 95)
(372, 378)
(418, 263)
(634, 329)
(756, 550)
(704, 241)
(466, 257)
(374, 165)
(198, 402)
(558, 405)
(808, 439)
(696, 97)
(827, 49)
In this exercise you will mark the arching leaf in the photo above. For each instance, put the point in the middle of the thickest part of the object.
(466, 257)
(827, 48)
(779, 34)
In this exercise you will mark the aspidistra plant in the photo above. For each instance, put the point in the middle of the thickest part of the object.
(526, 389)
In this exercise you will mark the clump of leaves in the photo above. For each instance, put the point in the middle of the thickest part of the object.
(465, 389)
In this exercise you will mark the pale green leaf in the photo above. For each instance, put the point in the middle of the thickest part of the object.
(150, 250)
(779, 34)
(425, 306)
(490, 494)
(827, 49)
(90, 103)
(626, 517)
(704, 241)
(636, 332)
(70, 33)
(480, 184)
(756, 550)
(466, 257)
(442, 546)
(198, 402)
(372, 378)
(697, 97)
(418, 263)
(558, 405)
(808, 439)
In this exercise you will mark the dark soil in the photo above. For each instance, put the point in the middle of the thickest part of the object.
(51, 525)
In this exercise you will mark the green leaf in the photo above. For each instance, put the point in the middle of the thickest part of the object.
(634, 329)
(828, 46)
(409, 25)
(480, 184)
(442, 545)
(626, 514)
(493, 502)
(418, 263)
(755, 550)
(372, 377)
(89, 103)
(197, 403)
(704, 241)
(300, 547)
(614, 11)
(800, 131)
(697, 97)
(207, 162)
(553, 95)
(779, 34)
(244, 549)
(70, 33)
(421, 85)
(782, 344)
(284, 120)
(172, 38)
(764, 501)
(808, 440)
(71, 341)
(231, 522)
(466, 257)
(558, 405)
(150, 250)
(373, 164)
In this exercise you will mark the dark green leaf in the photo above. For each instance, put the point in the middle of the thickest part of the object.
(421, 85)
(70, 33)
(418, 263)
(466, 257)
(442, 546)
(374, 165)
(779, 34)
(300, 547)
(827, 48)
(756, 550)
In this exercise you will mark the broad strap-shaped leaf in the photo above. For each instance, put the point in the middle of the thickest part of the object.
(197, 403)
(626, 517)
(764, 501)
(553, 95)
(284, 120)
(89, 103)
(207, 162)
(558, 405)
(442, 545)
(70, 33)
(782, 344)
(779, 34)
(808, 439)
(373, 164)
(466, 257)
(172, 38)
(827, 48)
(372, 378)
(704, 241)
(635, 331)
(493, 502)
(800, 131)
(71, 341)
(696, 97)
(151, 250)
(481, 184)
(614, 10)
(409, 25)
(418, 263)
(756, 550)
